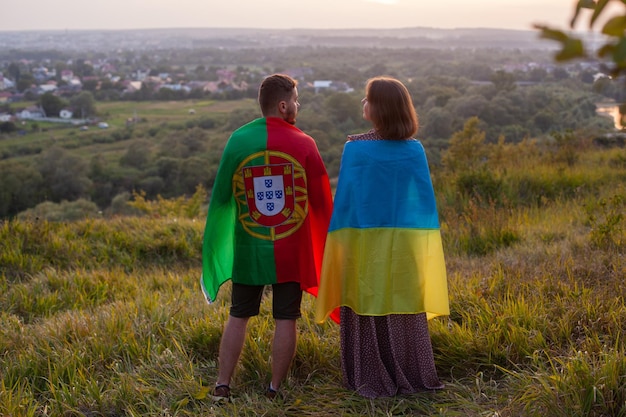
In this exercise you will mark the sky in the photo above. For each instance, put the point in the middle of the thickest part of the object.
(283, 14)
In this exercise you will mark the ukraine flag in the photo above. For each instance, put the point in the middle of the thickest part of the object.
(383, 252)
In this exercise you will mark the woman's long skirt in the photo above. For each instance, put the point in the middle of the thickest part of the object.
(384, 356)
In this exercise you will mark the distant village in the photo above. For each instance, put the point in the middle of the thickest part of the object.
(101, 77)
(66, 83)
(128, 76)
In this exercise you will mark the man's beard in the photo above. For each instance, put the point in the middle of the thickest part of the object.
(290, 117)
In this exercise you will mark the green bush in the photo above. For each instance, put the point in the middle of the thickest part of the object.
(481, 184)
(480, 243)
(64, 211)
(538, 189)
(606, 219)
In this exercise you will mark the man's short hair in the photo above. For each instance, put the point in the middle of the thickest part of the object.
(274, 89)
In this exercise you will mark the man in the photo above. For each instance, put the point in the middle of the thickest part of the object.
(267, 222)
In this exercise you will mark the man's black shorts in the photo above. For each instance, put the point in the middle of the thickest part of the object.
(286, 300)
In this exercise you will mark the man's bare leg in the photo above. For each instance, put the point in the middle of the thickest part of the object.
(283, 350)
(231, 346)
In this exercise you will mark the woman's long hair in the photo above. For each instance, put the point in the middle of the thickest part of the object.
(391, 109)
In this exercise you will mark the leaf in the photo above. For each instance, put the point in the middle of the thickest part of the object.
(182, 403)
(553, 34)
(572, 48)
(615, 26)
(202, 393)
(619, 53)
(587, 4)
(582, 4)
(606, 50)
(599, 8)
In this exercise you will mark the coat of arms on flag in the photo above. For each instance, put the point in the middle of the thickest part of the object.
(271, 194)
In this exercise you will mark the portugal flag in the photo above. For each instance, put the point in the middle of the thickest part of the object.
(384, 253)
(269, 210)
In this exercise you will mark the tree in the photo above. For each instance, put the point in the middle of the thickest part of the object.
(7, 127)
(184, 145)
(82, 68)
(437, 123)
(342, 107)
(468, 106)
(20, 188)
(241, 116)
(169, 169)
(194, 172)
(436, 95)
(503, 81)
(65, 175)
(25, 82)
(137, 154)
(51, 104)
(84, 104)
(14, 71)
(560, 73)
(544, 120)
(90, 85)
(467, 149)
(63, 211)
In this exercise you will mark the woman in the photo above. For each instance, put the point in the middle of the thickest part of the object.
(383, 261)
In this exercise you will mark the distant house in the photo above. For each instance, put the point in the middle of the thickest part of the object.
(226, 76)
(243, 86)
(5, 117)
(211, 87)
(320, 85)
(141, 75)
(66, 114)
(175, 87)
(67, 90)
(341, 86)
(197, 85)
(132, 86)
(5, 96)
(299, 73)
(75, 82)
(5, 83)
(108, 68)
(90, 78)
(67, 75)
(599, 76)
(47, 88)
(41, 74)
(31, 113)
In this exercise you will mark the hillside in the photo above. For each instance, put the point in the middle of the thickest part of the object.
(105, 317)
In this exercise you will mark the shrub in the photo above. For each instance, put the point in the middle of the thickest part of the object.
(175, 207)
(481, 184)
(7, 127)
(480, 229)
(63, 211)
(605, 217)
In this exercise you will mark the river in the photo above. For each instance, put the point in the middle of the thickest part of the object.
(611, 110)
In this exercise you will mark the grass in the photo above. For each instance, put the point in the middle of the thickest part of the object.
(104, 317)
